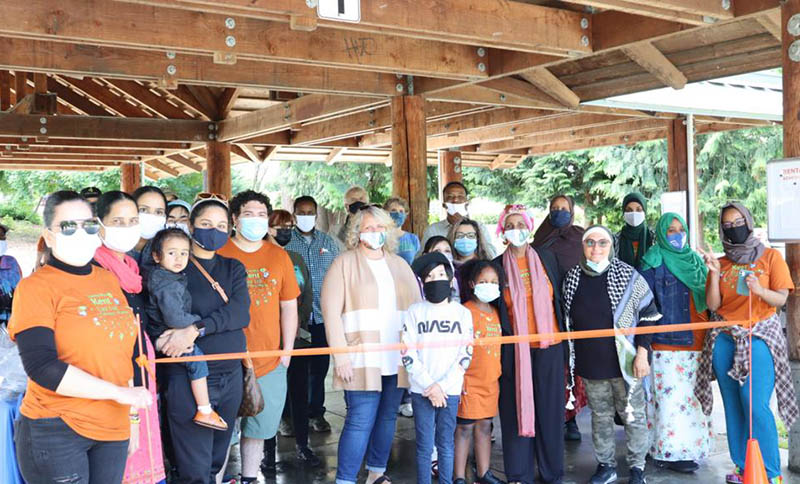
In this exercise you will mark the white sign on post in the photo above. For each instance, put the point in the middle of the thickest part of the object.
(674, 202)
(783, 200)
(343, 10)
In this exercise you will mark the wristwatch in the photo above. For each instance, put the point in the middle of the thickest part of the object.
(201, 328)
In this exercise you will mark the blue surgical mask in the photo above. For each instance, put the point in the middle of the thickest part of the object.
(517, 238)
(399, 218)
(210, 239)
(487, 291)
(559, 218)
(466, 246)
(253, 228)
(374, 240)
(677, 241)
(598, 267)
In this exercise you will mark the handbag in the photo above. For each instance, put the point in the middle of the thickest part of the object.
(252, 399)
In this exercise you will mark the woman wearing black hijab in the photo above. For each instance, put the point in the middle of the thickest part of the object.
(559, 235)
(635, 237)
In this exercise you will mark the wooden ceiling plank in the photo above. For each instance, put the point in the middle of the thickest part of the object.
(206, 100)
(499, 160)
(43, 167)
(77, 101)
(598, 142)
(710, 8)
(101, 22)
(334, 155)
(178, 158)
(103, 128)
(161, 166)
(552, 86)
(144, 95)
(499, 93)
(106, 97)
(146, 65)
(653, 61)
(508, 25)
(650, 10)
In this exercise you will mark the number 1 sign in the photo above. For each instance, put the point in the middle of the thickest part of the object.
(343, 10)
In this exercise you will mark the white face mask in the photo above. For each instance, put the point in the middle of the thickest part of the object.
(456, 208)
(306, 223)
(150, 224)
(76, 249)
(121, 239)
(178, 225)
(3, 247)
(598, 267)
(517, 238)
(634, 219)
(487, 291)
(373, 240)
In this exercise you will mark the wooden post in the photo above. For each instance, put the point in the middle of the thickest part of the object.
(677, 165)
(410, 159)
(130, 177)
(20, 85)
(449, 168)
(791, 149)
(218, 157)
(5, 90)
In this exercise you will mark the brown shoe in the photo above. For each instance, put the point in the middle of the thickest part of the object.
(211, 420)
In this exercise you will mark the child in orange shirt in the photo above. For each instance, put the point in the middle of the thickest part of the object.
(481, 391)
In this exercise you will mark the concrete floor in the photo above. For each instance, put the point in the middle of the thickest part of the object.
(580, 462)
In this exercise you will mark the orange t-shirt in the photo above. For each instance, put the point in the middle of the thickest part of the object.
(270, 279)
(481, 381)
(699, 334)
(522, 263)
(94, 330)
(772, 272)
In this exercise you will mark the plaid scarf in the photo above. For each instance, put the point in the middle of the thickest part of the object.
(769, 330)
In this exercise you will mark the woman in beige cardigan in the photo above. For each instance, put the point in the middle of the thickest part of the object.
(364, 294)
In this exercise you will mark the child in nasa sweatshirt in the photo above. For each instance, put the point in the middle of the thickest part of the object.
(436, 370)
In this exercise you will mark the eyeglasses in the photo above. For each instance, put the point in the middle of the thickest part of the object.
(69, 227)
(736, 223)
(467, 235)
(600, 243)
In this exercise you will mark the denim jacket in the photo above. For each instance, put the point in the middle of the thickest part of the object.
(672, 299)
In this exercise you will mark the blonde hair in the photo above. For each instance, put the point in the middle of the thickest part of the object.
(398, 201)
(356, 190)
(353, 229)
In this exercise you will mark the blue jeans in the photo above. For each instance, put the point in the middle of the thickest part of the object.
(368, 429)
(196, 369)
(439, 424)
(736, 399)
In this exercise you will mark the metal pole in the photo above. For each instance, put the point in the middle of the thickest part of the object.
(692, 181)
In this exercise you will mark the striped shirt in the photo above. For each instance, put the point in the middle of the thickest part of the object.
(318, 254)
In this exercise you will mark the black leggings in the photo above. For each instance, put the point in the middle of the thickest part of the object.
(49, 451)
(298, 397)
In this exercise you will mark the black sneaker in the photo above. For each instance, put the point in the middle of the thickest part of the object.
(319, 424)
(637, 476)
(307, 456)
(604, 474)
(571, 431)
(489, 478)
(459, 481)
(268, 466)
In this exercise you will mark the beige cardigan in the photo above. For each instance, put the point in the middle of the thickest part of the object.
(349, 303)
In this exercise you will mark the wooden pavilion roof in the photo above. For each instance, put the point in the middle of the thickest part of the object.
(93, 84)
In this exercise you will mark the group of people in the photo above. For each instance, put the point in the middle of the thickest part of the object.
(128, 277)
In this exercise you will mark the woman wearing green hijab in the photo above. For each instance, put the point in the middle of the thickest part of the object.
(680, 431)
(635, 238)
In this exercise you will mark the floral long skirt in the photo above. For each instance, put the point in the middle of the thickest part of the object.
(679, 429)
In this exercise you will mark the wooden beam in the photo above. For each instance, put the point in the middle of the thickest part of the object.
(5, 90)
(409, 159)
(227, 100)
(650, 10)
(102, 128)
(283, 116)
(499, 160)
(206, 100)
(178, 158)
(710, 8)
(247, 151)
(552, 86)
(130, 177)
(269, 153)
(146, 65)
(104, 96)
(141, 93)
(20, 86)
(100, 22)
(677, 156)
(163, 167)
(589, 143)
(653, 61)
(771, 21)
(507, 25)
(46, 167)
(334, 156)
(218, 165)
(91, 143)
(501, 92)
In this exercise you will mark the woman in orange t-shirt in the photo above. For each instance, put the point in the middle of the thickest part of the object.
(479, 397)
(76, 335)
(748, 274)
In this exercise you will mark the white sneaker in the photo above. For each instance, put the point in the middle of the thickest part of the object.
(406, 410)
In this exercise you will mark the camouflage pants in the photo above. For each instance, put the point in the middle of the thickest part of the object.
(606, 397)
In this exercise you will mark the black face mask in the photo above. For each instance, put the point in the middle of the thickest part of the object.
(737, 235)
(283, 236)
(436, 291)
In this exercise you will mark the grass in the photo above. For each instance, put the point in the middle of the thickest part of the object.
(23, 231)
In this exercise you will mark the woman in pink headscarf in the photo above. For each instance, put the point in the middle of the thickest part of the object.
(532, 383)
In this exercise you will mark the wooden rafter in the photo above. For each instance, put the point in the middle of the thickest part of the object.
(651, 10)
(710, 8)
(499, 160)
(552, 86)
(653, 61)
(227, 100)
(105, 97)
(334, 156)
(143, 94)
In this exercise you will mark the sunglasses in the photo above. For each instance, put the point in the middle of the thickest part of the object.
(600, 243)
(68, 227)
(210, 197)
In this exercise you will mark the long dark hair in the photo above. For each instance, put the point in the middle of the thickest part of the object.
(472, 269)
(108, 199)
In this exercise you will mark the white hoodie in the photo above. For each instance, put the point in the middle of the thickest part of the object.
(426, 323)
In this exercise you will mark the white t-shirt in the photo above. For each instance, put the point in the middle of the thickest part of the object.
(387, 307)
